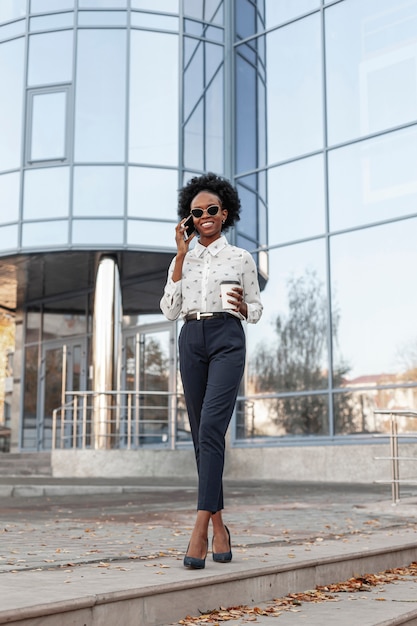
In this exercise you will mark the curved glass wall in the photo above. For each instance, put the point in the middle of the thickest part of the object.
(337, 338)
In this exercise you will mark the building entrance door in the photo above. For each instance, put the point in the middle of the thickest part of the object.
(149, 372)
(63, 368)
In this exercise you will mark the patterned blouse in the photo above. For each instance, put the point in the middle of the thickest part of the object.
(203, 270)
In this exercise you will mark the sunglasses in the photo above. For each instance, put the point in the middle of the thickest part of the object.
(211, 210)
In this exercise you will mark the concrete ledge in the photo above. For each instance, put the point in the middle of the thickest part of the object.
(134, 598)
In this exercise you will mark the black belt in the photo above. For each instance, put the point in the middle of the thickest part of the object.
(206, 316)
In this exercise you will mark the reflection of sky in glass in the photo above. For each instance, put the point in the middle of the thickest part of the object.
(277, 12)
(46, 193)
(151, 234)
(48, 126)
(97, 232)
(11, 74)
(9, 197)
(373, 282)
(373, 180)
(39, 234)
(371, 66)
(294, 89)
(98, 190)
(40, 6)
(12, 9)
(8, 237)
(296, 200)
(153, 124)
(100, 105)
(50, 58)
(152, 191)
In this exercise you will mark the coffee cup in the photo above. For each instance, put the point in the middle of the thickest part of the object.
(225, 287)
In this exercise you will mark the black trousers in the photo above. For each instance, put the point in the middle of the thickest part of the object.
(212, 361)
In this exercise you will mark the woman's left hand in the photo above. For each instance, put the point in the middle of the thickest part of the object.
(241, 306)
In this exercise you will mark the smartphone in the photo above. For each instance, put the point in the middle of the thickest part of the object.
(189, 227)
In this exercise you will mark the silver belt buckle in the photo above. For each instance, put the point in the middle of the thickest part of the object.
(198, 315)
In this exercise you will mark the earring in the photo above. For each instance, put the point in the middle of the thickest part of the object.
(223, 221)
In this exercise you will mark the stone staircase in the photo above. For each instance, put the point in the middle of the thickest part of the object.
(25, 464)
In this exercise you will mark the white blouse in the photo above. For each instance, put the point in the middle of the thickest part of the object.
(203, 270)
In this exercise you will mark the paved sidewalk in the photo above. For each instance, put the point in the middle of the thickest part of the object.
(102, 537)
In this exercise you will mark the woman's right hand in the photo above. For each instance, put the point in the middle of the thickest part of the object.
(182, 244)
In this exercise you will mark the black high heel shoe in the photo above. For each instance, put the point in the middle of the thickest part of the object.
(223, 557)
(193, 562)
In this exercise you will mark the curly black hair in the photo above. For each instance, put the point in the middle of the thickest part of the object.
(218, 185)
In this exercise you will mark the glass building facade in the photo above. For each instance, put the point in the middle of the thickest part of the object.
(309, 106)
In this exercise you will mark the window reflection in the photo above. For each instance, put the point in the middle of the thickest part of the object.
(153, 123)
(12, 30)
(100, 108)
(97, 232)
(354, 412)
(48, 132)
(98, 190)
(209, 11)
(296, 200)
(371, 66)
(373, 180)
(9, 194)
(194, 140)
(8, 237)
(102, 4)
(102, 18)
(147, 234)
(148, 20)
(377, 331)
(45, 234)
(214, 127)
(50, 58)
(46, 193)
(12, 9)
(288, 347)
(277, 12)
(279, 417)
(30, 398)
(46, 22)
(11, 103)
(170, 6)
(60, 325)
(294, 93)
(152, 192)
(41, 6)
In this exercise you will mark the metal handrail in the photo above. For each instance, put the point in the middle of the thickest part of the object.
(123, 420)
(395, 459)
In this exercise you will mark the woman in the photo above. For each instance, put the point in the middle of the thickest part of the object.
(211, 342)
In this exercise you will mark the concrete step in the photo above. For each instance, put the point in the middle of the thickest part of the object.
(25, 464)
(160, 591)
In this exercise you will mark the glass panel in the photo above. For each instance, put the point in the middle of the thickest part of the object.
(295, 107)
(147, 20)
(9, 237)
(102, 4)
(354, 412)
(153, 136)
(12, 30)
(151, 234)
(47, 22)
(100, 107)
(277, 12)
(170, 6)
(296, 200)
(97, 232)
(98, 190)
(194, 81)
(373, 304)
(46, 193)
(39, 234)
(130, 363)
(245, 19)
(61, 325)
(11, 103)
(50, 58)
(373, 180)
(12, 9)
(9, 194)
(194, 140)
(280, 417)
(48, 126)
(152, 191)
(288, 347)
(209, 10)
(44, 6)
(246, 122)
(102, 18)
(215, 125)
(213, 60)
(76, 367)
(371, 66)
(52, 386)
(33, 326)
(30, 398)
